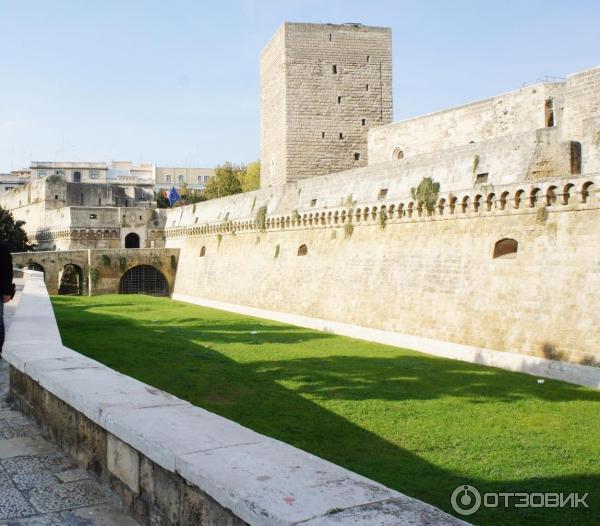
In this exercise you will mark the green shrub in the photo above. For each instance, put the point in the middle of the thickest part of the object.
(122, 263)
(105, 260)
(94, 275)
(426, 193)
(348, 230)
(261, 218)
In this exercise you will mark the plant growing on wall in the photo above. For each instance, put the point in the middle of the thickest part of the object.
(253, 204)
(277, 248)
(348, 229)
(295, 216)
(475, 164)
(105, 260)
(94, 276)
(382, 218)
(334, 234)
(597, 139)
(261, 218)
(122, 263)
(219, 239)
(427, 193)
(541, 216)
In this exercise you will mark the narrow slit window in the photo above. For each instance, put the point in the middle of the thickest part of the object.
(334, 69)
(341, 135)
(339, 99)
(322, 135)
(357, 156)
(382, 193)
(364, 122)
(366, 87)
(313, 202)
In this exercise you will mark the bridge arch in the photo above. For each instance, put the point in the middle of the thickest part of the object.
(144, 279)
(71, 280)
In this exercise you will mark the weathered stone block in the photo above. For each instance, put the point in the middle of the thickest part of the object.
(123, 462)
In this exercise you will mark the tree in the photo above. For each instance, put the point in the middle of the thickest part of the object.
(426, 193)
(225, 181)
(12, 233)
(161, 200)
(250, 177)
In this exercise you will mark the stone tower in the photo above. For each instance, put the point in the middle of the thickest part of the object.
(323, 86)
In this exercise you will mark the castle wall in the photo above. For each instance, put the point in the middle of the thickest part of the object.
(433, 277)
(582, 111)
(512, 113)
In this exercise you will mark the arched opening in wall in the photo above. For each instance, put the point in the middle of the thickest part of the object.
(587, 191)
(503, 200)
(302, 250)
(132, 240)
(71, 281)
(35, 266)
(551, 196)
(518, 198)
(203, 252)
(506, 248)
(549, 113)
(566, 197)
(533, 197)
(465, 204)
(398, 154)
(144, 279)
(490, 201)
(76, 177)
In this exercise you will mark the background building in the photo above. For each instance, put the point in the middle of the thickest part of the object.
(193, 178)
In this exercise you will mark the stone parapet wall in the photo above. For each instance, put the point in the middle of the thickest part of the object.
(176, 464)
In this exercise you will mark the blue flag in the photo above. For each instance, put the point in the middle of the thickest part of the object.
(173, 196)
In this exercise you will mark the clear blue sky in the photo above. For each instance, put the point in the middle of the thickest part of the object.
(176, 82)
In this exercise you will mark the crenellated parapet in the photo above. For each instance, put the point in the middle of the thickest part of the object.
(564, 194)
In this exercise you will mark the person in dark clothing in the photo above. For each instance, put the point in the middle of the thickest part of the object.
(7, 290)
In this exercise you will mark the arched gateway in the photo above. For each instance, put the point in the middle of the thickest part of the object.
(144, 279)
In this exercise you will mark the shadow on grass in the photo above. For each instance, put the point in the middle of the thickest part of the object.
(280, 396)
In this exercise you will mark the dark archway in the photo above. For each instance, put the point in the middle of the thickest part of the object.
(35, 266)
(71, 281)
(506, 248)
(132, 240)
(144, 279)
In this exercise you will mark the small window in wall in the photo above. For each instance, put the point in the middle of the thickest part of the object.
(481, 178)
(203, 252)
(322, 135)
(341, 135)
(339, 99)
(180, 178)
(168, 178)
(357, 156)
(55, 196)
(302, 250)
(94, 175)
(313, 202)
(93, 216)
(364, 122)
(334, 69)
(398, 154)
(549, 113)
(329, 37)
(366, 87)
(575, 157)
(506, 248)
(382, 193)
(140, 218)
(368, 58)
(99, 201)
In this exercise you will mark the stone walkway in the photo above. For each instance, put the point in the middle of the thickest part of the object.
(38, 485)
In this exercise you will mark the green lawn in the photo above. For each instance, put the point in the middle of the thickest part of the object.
(419, 424)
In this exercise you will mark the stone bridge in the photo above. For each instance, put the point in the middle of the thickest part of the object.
(104, 271)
